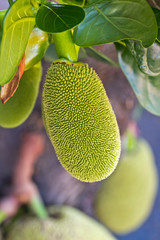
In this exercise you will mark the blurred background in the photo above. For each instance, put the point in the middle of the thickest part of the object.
(56, 186)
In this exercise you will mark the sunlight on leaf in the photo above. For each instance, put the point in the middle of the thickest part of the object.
(16, 29)
(114, 20)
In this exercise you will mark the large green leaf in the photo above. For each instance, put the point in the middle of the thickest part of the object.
(148, 59)
(146, 88)
(94, 2)
(157, 15)
(73, 2)
(54, 18)
(37, 45)
(19, 107)
(116, 20)
(16, 28)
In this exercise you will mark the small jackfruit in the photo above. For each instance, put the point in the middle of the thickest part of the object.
(125, 200)
(80, 121)
(64, 223)
(18, 108)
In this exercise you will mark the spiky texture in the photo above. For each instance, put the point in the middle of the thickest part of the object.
(65, 223)
(19, 107)
(125, 200)
(80, 121)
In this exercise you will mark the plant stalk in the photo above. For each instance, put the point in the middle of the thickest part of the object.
(10, 2)
(65, 46)
(37, 206)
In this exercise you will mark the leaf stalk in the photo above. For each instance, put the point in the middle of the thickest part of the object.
(65, 47)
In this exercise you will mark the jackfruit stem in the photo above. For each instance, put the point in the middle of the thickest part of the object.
(65, 47)
(37, 206)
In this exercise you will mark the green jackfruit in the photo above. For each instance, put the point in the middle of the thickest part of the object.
(80, 121)
(64, 223)
(19, 107)
(125, 200)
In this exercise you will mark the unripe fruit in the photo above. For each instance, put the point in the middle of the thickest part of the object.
(64, 223)
(18, 108)
(80, 121)
(125, 200)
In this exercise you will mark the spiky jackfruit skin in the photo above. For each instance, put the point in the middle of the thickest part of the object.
(65, 223)
(19, 107)
(80, 121)
(125, 200)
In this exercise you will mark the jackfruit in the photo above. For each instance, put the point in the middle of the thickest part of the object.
(18, 108)
(80, 121)
(64, 223)
(125, 200)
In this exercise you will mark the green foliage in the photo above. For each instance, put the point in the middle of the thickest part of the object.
(110, 21)
(19, 107)
(125, 200)
(54, 18)
(157, 15)
(51, 55)
(37, 45)
(146, 88)
(16, 28)
(80, 121)
(148, 59)
(64, 223)
(73, 2)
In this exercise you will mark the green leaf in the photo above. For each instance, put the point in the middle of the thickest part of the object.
(79, 3)
(146, 88)
(16, 28)
(2, 13)
(19, 107)
(94, 2)
(157, 15)
(92, 52)
(116, 20)
(54, 18)
(148, 59)
(36, 47)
